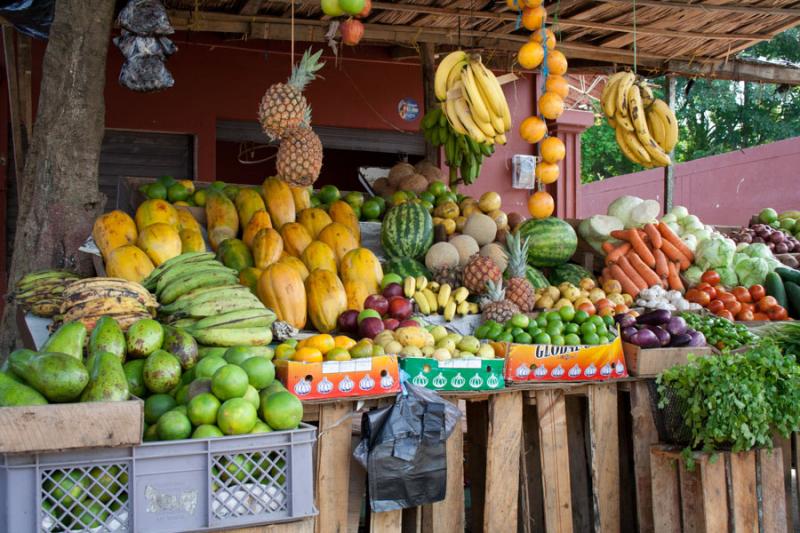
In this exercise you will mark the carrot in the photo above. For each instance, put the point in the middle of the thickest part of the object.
(647, 273)
(607, 247)
(618, 252)
(662, 269)
(676, 241)
(621, 234)
(641, 248)
(634, 276)
(674, 279)
(673, 254)
(655, 236)
(628, 286)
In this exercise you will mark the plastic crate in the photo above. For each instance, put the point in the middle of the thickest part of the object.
(162, 487)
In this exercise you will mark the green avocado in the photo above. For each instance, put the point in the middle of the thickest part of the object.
(68, 339)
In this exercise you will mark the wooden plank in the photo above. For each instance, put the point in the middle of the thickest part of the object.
(645, 435)
(773, 491)
(448, 514)
(333, 466)
(412, 520)
(708, 7)
(580, 471)
(604, 447)
(650, 363)
(251, 7)
(552, 413)
(666, 504)
(388, 522)
(714, 490)
(691, 497)
(25, 73)
(743, 481)
(785, 446)
(357, 491)
(531, 516)
(302, 526)
(738, 69)
(477, 430)
(503, 438)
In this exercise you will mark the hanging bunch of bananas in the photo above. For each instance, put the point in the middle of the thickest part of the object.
(462, 153)
(87, 300)
(646, 128)
(41, 292)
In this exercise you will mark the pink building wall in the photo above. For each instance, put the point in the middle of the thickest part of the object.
(724, 189)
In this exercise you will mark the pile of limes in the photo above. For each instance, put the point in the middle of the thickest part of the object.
(367, 209)
(564, 327)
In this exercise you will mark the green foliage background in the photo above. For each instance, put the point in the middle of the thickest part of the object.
(715, 116)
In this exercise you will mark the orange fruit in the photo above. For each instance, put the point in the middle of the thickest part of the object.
(546, 172)
(557, 84)
(322, 342)
(514, 5)
(551, 106)
(536, 36)
(530, 55)
(284, 351)
(556, 62)
(533, 129)
(343, 341)
(307, 355)
(533, 18)
(532, 3)
(552, 150)
(541, 204)
(337, 354)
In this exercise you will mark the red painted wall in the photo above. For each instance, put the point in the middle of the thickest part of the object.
(724, 189)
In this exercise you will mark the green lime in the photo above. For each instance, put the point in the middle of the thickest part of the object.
(567, 313)
(520, 320)
(229, 381)
(534, 330)
(482, 330)
(588, 328)
(788, 224)
(236, 416)
(541, 321)
(260, 372)
(572, 340)
(517, 331)
(178, 193)
(371, 210)
(355, 199)
(553, 315)
(231, 191)
(357, 211)
(603, 339)
(557, 340)
(381, 202)
(218, 185)
(542, 338)
(315, 201)
(523, 338)
(182, 394)
(505, 337)
(151, 433)
(260, 427)
(207, 431)
(156, 405)
(554, 328)
(281, 410)
(427, 197)
(398, 198)
(598, 321)
(580, 317)
(572, 327)
(166, 181)
(437, 188)
(329, 194)
(156, 191)
(206, 367)
(609, 321)
(591, 339)
(174, 425)
(494, 332)
(200, 197)
(768, 215)
(775, 224)
(202, 409)
(426, 204)
(445, 197)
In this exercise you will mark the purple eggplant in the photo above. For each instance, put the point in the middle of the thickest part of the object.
(654, 318)
(676, 326)
(628, 332)
(663, 335)
(625, 320)
(645, 338)
(682, 339)
(698, 339)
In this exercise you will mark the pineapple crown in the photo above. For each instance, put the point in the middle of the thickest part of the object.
(517, 255)
(495, 291)
(305, 71)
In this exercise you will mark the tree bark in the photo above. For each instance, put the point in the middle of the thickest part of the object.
(61, 195)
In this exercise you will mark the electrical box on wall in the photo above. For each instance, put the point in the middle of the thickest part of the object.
(523, 171)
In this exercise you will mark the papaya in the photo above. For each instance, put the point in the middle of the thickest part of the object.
(362, 265)
(222, 218)
(128, 262)
(341, 212)
(248, 201)
(155, 211)
(314, 220)
(356, 293)
(249, 277)
(186, 220)
(281, 289)
(319, 255)
(295, 238)
(192, 241)
(302, 197)
(326, 299)
(160, 242)
(112, 230)
(296, 264)
(260, 220)
(16, 394)
(234, 254)
(279, 201)
(267, 248)
(57, 376)
(107, 379)
(339, 238)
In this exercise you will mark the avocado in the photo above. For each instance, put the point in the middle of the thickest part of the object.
(15, 394)
(134, 373)
(107, 336)
(58, 376)
(162, 371)
(181, 345)
(68, 339)
(107, 380)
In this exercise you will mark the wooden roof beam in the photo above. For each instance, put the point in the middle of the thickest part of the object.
(701, 6)
(738, 70)
(251, 7)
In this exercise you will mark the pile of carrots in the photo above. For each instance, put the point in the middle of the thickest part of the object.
(653, 255)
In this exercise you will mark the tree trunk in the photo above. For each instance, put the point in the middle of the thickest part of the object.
(61, 194)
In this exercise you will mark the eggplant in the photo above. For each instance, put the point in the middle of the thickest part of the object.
(654, 318)
(625, 320)
(663, 335)
(676, 326)
(681, 339)
(698, 339)
(628, 332)
(645, 338)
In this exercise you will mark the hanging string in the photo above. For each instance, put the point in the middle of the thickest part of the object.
(292, 34)
(519, 14)
(634, 38)
(556, 27)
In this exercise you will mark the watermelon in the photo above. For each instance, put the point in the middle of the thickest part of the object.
(407, 231)
(535, 276)
(551, 241)
(405, 266)
(569, 272)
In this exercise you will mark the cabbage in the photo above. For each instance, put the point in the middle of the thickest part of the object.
(669, 217)
(690, 241)
(692, 224)
(622, 206)
(679, 211)
(727, 276)
(739, 257)
(676, 229)
(693, 274)
(752, 271)
(715, 252)
(758, 249)
(701, 234)
(740, 248)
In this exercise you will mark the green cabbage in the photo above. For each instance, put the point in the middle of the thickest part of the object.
(715, 252)
(693, 274)
(727, 276)
(752, 271)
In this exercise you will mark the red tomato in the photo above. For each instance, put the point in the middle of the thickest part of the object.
(726, 297)
(766, 303)
(778, 313)
(742, 294)
(757, 292)
(715, 306)
(760, 316)
(745, 314)
(749, 307)
(697, 296)
(734, 307)
(710, 277)
(705, 287)
(725, 314)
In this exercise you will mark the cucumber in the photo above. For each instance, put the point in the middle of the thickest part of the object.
(793, 295)
(788, 274)
(774, 286)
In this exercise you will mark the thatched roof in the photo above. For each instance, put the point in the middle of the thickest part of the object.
(700, 37)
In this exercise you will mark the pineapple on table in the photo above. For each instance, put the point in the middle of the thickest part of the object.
(479, 270)
(518, 289)
(448, 275)
(494, 304)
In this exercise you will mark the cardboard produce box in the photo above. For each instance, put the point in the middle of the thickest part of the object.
(364, 377)
(464, 374)
(651, 362)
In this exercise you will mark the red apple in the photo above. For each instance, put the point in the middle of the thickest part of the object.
(377, 303)
(391, 323)
(370, 327)
(391, 290)
(367, 8)
(410, 323)
(348, 321)
(400, 308)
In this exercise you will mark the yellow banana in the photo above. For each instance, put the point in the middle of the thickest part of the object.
(444, 294)
(611, 122)
(450, 310)
(443, 71)
(656, 127)
(455, 74)
(421, 282)
(460, 294)
(473, 308)
(494, 89)
(462, 308)
(500, 139)
(667, 116)
(623, 120)
(647, 94)
(608, 98)
(449, 108)
(637, 115)
(431, 299)
(657, 156)
(621, 104)
(635, 153)
(484, 125)
(409, 286)
(477, 105)
(466, 120)
(422, 303)
(433, 286)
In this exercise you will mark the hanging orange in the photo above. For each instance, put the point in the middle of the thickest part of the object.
(532, 129)
(530, 55)
(541, 204)
(551, 105)
(533, 18)
(546, 172)
(551, 38)
(532, 3)
(556, 62)
(557, 84)
(552, 150)
(514, 5)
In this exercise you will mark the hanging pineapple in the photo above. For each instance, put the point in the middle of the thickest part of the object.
(299, 157)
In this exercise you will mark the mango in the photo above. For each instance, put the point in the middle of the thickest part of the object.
(233, 253)
(181, 345)
(134, 374)
(112, 230)
(155, 211)
(107, 379)
(67, 339)
(161, 372)
(16, 394)
(144, 337)
(160, 242)
(59, 377)
(107, 336)
(128, 262)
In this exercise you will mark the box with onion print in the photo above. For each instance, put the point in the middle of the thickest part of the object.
(362, 377)
(526, 363)
(462, 374)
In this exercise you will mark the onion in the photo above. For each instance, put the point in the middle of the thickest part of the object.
(758, 239)
(746, 238)
(781, 248)
(771, 245)
(776, 237)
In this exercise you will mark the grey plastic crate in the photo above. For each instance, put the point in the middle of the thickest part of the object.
(162, 487)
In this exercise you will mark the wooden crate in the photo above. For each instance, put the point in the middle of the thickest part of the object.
(742, 491)
(649, 363)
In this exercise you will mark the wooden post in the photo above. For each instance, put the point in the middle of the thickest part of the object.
(503, 439)
(555, 460)
(333, 466)
(665, 509)
(477, 427)
(427, 53)
(669, 171)
(388, 522)
(14, 110)
(604, 442)
(774, 513)
(644, 436)
(743, 481)
(448, 514)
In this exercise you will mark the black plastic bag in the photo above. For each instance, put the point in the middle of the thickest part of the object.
(30, 17)
(134, 46)
(145, 17)
(145, 73)
(403, 449)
